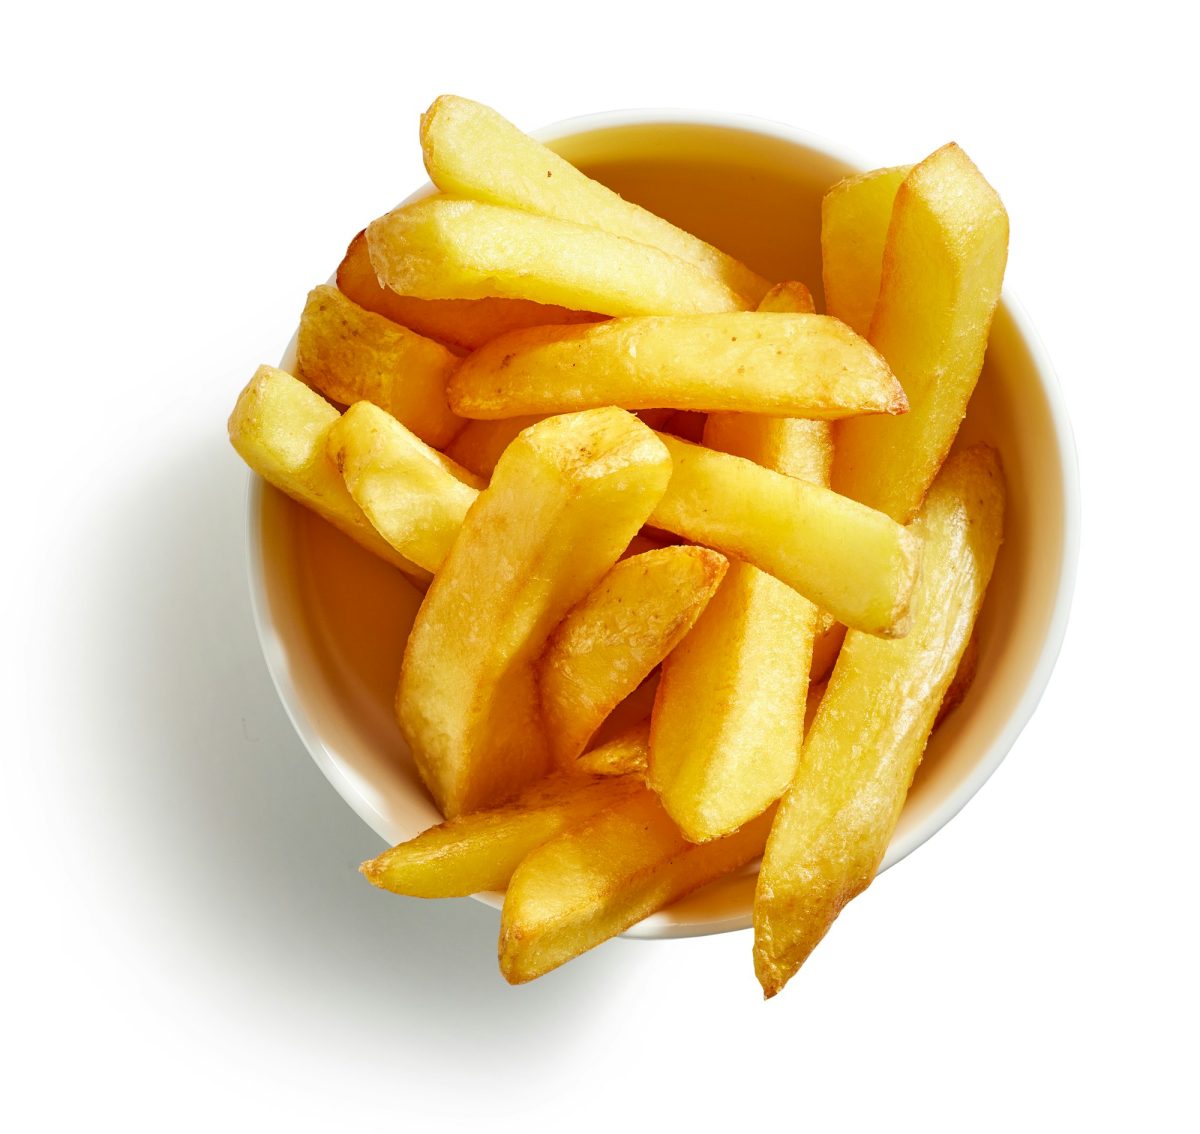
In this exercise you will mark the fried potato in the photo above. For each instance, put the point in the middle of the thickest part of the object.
(595, 880)
(279, 428)
(460, 324)
(479, 443)
(964, 678)
(728, 719)
(750, 362)
(480, 851)
(827, 643)
(848, 559)
(565, 500)
(789, 296)
(942, 269)
(471, 151)
(608, 644)
(351, 355)
(448, 249)
(834, 824)
(855, 215)
(415, 497)
(626, 754)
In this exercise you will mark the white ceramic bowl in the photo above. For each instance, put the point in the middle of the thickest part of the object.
(333, 620)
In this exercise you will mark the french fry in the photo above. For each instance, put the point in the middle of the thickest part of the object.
(942, 270)
(728, 719)
(834, 824)
(789, 296)
(855, 215)
(471, 151)
(848, 559)
(827, 642)
(964, 678)
(350, 354)
(279, 427)
(608, 644)
(627, 753)
(479, 443)
(460, 324)
(565, 500)
(480, 851)
(415, 497)
(774, 363)
(595, 880)
(450, 249)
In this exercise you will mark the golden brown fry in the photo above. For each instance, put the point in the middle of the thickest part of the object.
(279, 428)
(850, 560)
(461, 324)
(627, 753)
(565, 500)
(835, 822)
(415, 497)
(964, 677)
(351, 355)
(450, 249)
(593, 881)
(608, 644)
(749, 362)
(855, 215)
(479, 443)
(480, 851)
(942, 269)
(728, 719)
(471, 151)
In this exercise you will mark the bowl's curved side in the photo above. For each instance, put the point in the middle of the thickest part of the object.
(332, 620)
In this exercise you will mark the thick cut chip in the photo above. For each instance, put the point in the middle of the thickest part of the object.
(565, 500)
(607, 646)
(461, 324)
(479, 443)
(855, 215)
(280, 429)
(471, 151)
(835, 822)
(596, 880)
(751, 362)
(942, 269)
(416, 498)
(350, 355)
(789, 296)
(627, 753)
(480, 851)
(849, 559)
(729, 715)
(449, 249)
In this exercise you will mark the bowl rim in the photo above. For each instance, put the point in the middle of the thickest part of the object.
(1035, 686)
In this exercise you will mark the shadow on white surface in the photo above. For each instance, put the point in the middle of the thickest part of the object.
(216, 842)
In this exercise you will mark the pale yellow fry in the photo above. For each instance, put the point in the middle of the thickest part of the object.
(848, 559)
(608, 644)
(627, 753)
(440, 248)
(471, 151)
(835, 822)
(565, 500)
(480, 851)
(778, 363)
(789, 296)
(461, 324)
(280, 429)
(350, 354)
(415, 497)
(942, 270)
(855, 215)
(596, 880)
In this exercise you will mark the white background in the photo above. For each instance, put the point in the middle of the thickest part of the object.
(187, 944)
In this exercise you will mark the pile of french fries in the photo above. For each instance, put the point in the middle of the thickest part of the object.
(701, 575)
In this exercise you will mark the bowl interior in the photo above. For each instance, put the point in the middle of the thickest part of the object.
(334, 619)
